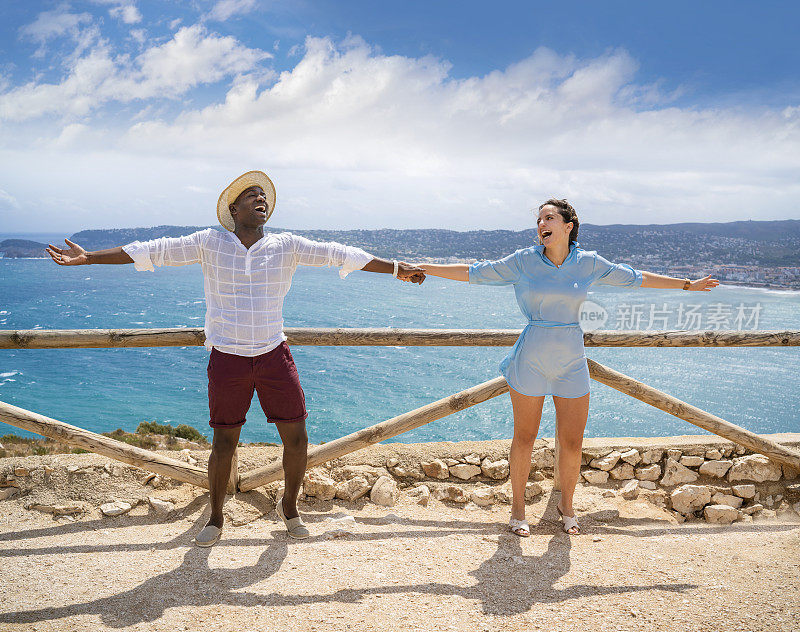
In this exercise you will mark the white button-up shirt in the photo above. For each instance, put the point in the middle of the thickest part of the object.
(245, 287)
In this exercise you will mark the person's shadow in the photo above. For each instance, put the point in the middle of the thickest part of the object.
(499, 591)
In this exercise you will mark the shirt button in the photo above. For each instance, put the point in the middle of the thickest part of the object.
(574, 285)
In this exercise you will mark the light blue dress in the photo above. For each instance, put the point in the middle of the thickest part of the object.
(548, 358)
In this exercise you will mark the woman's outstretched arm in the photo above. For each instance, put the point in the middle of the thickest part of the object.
(454, 271)
(659, 281)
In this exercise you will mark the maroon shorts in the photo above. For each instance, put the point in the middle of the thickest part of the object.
(272, 375)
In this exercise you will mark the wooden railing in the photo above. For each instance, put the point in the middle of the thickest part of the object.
(180, 337)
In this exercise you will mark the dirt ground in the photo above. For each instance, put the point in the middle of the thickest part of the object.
(407, 567)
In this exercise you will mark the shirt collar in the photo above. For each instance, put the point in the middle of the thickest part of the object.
(573, 246)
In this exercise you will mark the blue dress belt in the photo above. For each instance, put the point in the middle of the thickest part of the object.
(551, 323)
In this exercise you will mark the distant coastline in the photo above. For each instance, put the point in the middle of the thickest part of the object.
(759, 255)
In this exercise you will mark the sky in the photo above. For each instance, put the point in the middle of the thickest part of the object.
(460, 115)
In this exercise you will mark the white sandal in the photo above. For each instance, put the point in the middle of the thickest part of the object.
(209, 536)
(295, 526)
(568, 522)
(519, 527)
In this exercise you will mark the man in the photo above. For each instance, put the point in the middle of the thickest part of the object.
(247, 274)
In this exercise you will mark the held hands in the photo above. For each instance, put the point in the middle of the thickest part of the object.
(74, 256)
(703, 285)
(410, 273)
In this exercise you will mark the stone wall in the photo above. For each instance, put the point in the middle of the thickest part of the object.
(695, 477)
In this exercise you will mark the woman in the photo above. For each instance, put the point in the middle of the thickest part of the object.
(551, 281)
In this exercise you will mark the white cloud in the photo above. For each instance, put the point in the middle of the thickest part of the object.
(356, 138)
(7, 201)
(59, 22)
(124, 10)
(225, 9)
(191, 58)
(128, 13)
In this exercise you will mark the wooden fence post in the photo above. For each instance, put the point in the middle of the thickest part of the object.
(384, 430)
(72, 435)
(692, 414)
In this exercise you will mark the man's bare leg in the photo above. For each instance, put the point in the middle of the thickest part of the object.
(295, 457)
(219, 469)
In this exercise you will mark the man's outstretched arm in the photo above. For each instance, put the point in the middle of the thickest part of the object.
(77, 256)
(405, 271)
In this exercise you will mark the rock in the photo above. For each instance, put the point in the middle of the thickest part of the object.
(607, 462)
(796, 508)
(754, 467)
(623, 472)
(648, 472)
(652, 456)
(369, 472)
(631, 456)
(339, 526)
(353, 489)
(7, 492)
(630, 490)
(784, 511)
(451, 462)
(21, 471)
(717, 468)
(687, 499)
(420, 493)
(503, 493)
(436, 469)
(766, 514)
(720, 514)
(450, 492)
(464, 471)
(497, 470)
(161, 507)
(115, 508)
(543, 459)
(483, 497)
(713, 454)
(595, 477)
(532, 490)
(472, 459)
(793, 492)
(385, 492)
(657, 497)
(674, 454)
(536, 476)
(392, 462)
(754, 508)
(608, 493)
(790, 473)
(677, 474)
(413, 472)
(648, 485)
(319, 485)
(692, 461)
(726, 499)
(186, 456)
(744, 491)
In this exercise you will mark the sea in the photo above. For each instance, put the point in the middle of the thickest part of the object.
(348, 388)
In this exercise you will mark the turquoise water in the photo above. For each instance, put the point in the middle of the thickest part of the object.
(351, 387)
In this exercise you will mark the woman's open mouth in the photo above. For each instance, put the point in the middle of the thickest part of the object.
(545, 234)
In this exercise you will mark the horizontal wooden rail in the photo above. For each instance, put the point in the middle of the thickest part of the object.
(194, 336)
(80, 438)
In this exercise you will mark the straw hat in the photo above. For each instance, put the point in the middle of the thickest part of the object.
(235, 189)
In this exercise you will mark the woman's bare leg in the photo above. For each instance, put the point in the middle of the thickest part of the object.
(527, 415)
(571, 416)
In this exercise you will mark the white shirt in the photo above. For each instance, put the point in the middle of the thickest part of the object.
(244, 288)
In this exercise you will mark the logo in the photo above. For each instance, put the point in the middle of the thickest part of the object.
(593, 316)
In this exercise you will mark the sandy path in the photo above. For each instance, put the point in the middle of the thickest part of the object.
(405, 568)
